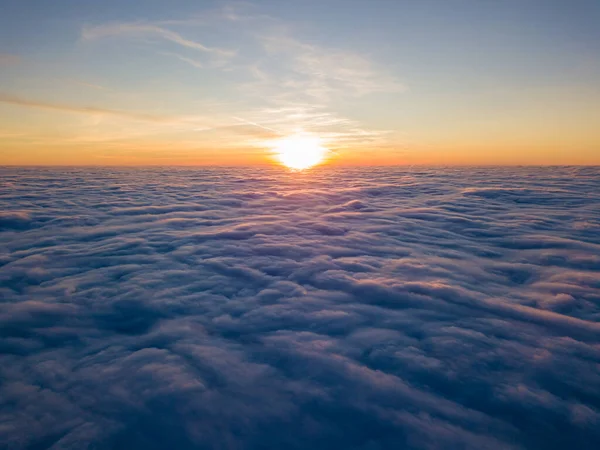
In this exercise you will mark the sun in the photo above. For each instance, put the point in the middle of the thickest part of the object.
(300, 152)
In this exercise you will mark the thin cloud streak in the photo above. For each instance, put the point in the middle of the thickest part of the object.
(336, 131)
(247, 122)
(91, 110)
(222, 125)
(119, 29)
(191, 61)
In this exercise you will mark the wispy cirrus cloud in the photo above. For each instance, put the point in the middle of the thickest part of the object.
(321, 71)
(336, 131)
(148, 29)
(277, 62)
(191, 61)
(104, 125)
(91, 110)
(280, 82)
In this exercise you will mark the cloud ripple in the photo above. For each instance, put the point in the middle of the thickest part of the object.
(254, 308)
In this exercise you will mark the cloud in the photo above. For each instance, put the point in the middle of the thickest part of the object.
(191, 61)
(14, 220)
(254, 308)
(320, 71)
(142, 29)
(90, 110)
(138, 125)
(336, 131)
(282, 81)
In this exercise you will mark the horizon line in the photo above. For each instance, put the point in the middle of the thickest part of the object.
(283, 167)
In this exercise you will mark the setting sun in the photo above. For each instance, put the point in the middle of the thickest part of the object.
(300, 152)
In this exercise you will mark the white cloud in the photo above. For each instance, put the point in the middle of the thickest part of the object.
(324, 71)
(191, 61)
(142, 29)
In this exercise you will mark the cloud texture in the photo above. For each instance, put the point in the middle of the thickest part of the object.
(258, 309)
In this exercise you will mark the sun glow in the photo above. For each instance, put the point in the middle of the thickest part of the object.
(300, 152)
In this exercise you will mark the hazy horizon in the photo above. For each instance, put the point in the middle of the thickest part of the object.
(274, 166)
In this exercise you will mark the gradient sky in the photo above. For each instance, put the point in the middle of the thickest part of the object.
(380, 81)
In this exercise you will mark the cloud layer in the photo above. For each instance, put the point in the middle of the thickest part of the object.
(254, 308)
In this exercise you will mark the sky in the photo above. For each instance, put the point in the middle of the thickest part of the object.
(378, 82)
